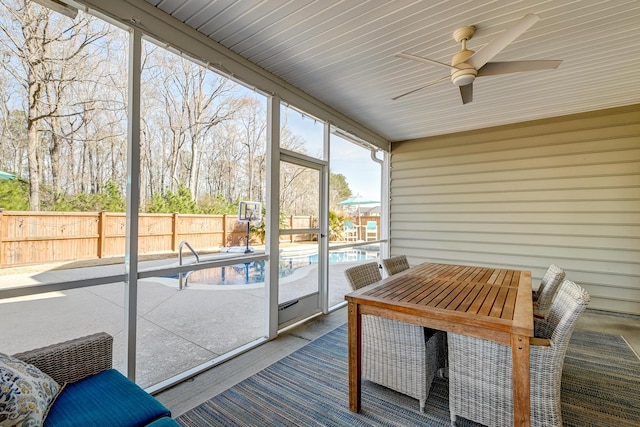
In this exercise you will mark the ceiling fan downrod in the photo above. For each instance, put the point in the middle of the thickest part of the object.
(463, 73)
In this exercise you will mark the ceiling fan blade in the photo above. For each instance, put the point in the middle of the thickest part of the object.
(496, 45)
(493, 68)
(466, 92)
(412, 57)
(421, 87)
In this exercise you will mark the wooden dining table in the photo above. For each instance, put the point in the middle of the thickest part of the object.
(484, 302)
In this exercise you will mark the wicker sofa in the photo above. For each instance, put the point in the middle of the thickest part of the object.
(94, 393)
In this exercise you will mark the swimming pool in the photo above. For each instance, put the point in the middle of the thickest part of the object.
(253, 272)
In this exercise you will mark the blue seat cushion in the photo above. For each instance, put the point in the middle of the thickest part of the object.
(107, 399)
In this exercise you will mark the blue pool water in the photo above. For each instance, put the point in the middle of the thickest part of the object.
(343, 256)
(253, 272)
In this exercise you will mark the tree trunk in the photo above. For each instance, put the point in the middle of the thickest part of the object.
(32, 147)
(54, 153)
(34, 168)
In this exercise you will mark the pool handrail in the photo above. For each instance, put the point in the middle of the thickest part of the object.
(182, 276)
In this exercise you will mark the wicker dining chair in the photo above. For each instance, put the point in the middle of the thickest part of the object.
(543, 297)
(397, 355)
(480, 387)
(395, 265)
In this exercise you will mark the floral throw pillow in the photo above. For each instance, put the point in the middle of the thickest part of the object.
(25, 393)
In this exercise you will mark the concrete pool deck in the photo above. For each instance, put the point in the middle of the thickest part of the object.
(176, 329)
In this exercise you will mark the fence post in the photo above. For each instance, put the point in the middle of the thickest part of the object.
(224, 230)
(102, 231)
(1, 236)
(174, 232)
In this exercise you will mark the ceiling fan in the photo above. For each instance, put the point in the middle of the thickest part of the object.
(466, 65)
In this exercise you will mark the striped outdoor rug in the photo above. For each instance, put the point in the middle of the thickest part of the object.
(600, 387)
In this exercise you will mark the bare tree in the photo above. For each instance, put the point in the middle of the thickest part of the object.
(183, 103)
(252, 125)
(99, 131)
(222, 155)
(49, 48)
(63, 105)
(296, 181)
(198, 100)
(13, 139)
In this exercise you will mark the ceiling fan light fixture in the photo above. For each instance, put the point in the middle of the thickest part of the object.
(463, 76)
(463, 80)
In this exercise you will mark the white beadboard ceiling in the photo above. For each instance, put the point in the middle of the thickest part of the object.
(342, 53)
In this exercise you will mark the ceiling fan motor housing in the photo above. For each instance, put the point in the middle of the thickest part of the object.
(464, 73)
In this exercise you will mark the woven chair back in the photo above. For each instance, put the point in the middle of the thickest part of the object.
(569, 303)
(363, 275)
(395, 265)
(548, 288)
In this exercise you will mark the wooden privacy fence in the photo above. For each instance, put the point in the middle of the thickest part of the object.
(28, 238)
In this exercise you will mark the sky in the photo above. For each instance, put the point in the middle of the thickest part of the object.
(353, 161)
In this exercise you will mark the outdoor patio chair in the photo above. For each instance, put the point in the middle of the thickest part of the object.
(372, 230)
(397, 355)
(350, 233)
(543, 297)
(398, 264)
(395, 264)
(480, 387)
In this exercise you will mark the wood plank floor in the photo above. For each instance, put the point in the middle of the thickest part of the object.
(189, 394)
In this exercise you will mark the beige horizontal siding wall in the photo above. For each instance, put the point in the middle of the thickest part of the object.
(564, 190)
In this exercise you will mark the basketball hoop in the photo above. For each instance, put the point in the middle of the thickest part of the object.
(249, 212)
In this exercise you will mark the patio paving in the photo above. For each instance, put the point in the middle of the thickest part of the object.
(176, 329)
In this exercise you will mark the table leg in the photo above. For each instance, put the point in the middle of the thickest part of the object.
(521, 378)
(355, 351)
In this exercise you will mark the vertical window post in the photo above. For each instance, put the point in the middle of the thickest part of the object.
(133, 202)
(272, 247)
